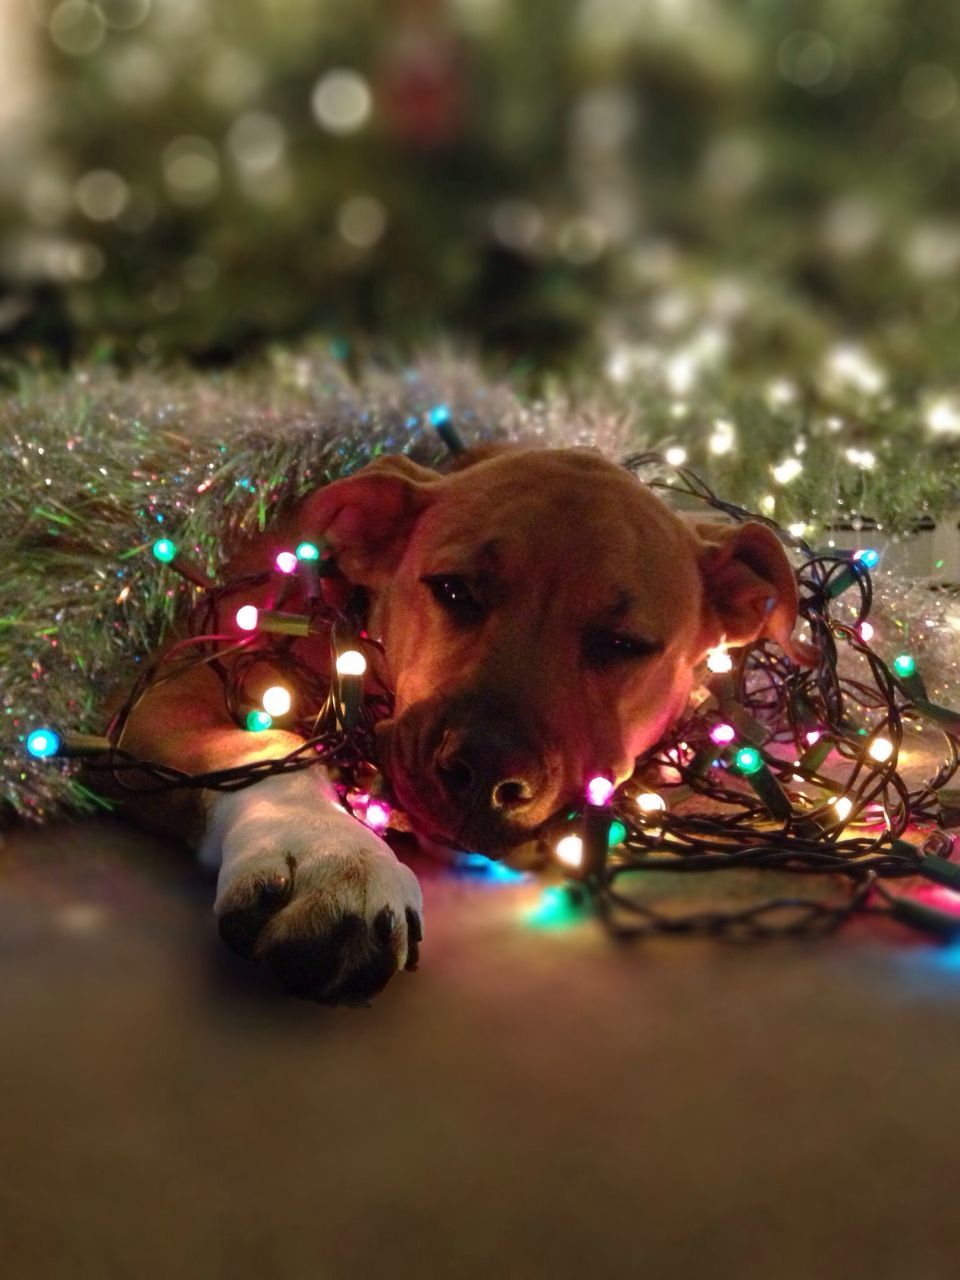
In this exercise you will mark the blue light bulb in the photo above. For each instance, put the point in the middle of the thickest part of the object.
(43, 743)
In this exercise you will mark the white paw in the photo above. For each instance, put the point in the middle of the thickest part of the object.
(310, 890)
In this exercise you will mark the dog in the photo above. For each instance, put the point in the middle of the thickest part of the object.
(542, 615)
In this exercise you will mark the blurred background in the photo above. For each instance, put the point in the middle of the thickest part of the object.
(698, 182)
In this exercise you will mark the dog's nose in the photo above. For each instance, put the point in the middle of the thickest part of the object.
(480, 765)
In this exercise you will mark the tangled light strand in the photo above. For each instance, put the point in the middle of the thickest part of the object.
(762, 733)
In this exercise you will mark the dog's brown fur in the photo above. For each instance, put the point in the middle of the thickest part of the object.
(505, 703)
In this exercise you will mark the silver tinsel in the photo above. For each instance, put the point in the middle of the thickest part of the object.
(96, 467)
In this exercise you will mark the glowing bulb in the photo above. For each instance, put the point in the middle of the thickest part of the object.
(719, 661)
(787, 470)
(676, 455)
(164, 550)
(723, 438)
(248, 615)
(868, 557)
(618, 833)
(851, 366)
(650, 802)
(377, 815)
(286, 561)
(43, 743)
(881, 749)
(781, 392)
(943, 417)
(866, 632)
(308, 551)
(768, 504)
(749, 760)
(723, 733)
(569, 851)
(257, 721)
(600, 790)
(351, 663)
(276, 700)
(843, 806)
(904, 665)
(863, 458)
(813, 737)
(798, 528)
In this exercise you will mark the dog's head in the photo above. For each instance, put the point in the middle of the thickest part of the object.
(542, 614)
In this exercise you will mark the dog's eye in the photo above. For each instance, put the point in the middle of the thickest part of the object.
(454, 595)
(603, 648)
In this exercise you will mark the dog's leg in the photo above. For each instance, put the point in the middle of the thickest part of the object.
(302, 885)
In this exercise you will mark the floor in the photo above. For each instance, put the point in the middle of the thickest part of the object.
(533, 1102)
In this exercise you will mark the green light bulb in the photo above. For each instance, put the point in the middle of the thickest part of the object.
(308, 551)
(618, 833)
(164, 550)
(904, 664)
(257, 721)
(749, 760)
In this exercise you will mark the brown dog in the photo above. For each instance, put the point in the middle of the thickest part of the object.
(542, 614)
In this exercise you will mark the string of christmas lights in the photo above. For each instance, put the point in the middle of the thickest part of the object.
(775, 767)
(756, 749)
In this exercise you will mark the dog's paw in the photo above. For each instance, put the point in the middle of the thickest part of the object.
(312, 892)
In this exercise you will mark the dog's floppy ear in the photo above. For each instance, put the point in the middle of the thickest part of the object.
(368, 517)
(750, 588)
(485, 451)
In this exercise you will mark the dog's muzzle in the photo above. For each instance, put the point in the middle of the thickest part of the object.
(470, 776)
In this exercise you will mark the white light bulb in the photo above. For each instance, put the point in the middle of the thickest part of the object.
(719, 661)
(351, 663)
(843, 806)
(787, 470)
(881, 749)
(781, 392)
(570, 851)
(276, 700)
(943, 417)
(650, 802)
(676, 455)
(862, 458)
(850, 366)
(723, 438)
(247, 617)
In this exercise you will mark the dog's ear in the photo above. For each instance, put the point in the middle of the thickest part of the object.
(368, 517)
(476, 453)
(749, 587)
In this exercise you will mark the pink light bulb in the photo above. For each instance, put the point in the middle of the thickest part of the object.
(866, 632)
(813, 737)
(723, 733)
(600, 790)
(247, 617)
(286, 562)
(377, 815)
